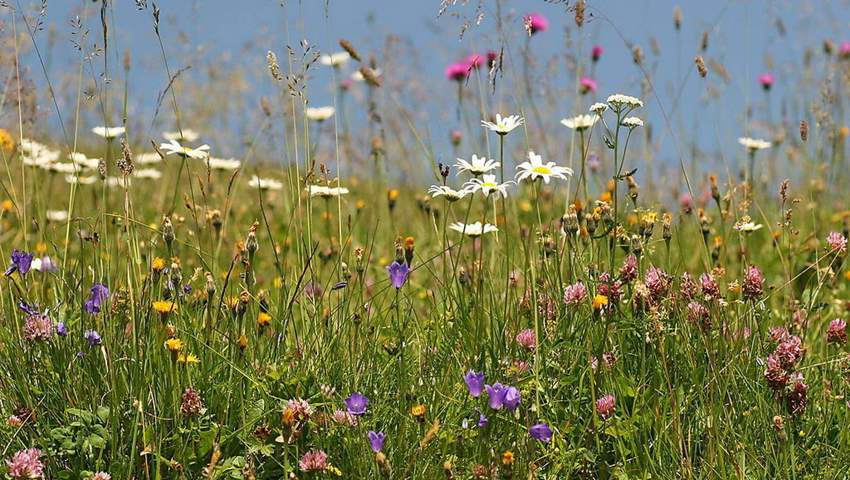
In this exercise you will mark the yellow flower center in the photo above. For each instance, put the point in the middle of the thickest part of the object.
(542, 169)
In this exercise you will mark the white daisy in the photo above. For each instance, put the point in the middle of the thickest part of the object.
(32, 147)
(151, 173)
(449, 193)
(598, 108)
(487, 186)
(61, 167)
(319, 114)
(580, 122)
(753, 144)
(40, 157)
(632, 122)
(81, 180)
(113, 182)
(57, 215)
(147, 158)
(335, 59)
(108, 132)
(265, 183)
(534, 168)
(188, 135)
(223, 163)
(473, 229)
(325, 192)
(503, 125)
(477, 165)
(746, 225)
(174, 146)
(618, 101)
(83, 161)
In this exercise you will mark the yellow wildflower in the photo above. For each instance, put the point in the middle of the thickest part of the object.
(164, 307)
(264, 319)
(600, 302)
(174, 345)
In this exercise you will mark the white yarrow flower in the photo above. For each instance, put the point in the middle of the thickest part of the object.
(149, 173)
(147, 158)
(534, 168)
(598, 108)
(57, 215)
(619, 100)
(503, 125)
(632, 122)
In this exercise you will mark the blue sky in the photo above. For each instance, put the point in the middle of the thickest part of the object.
(744, 37)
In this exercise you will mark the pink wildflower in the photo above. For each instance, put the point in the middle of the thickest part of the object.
(527, 339)
(314, 461)
(534, 22)
(458, 71)
(26, 464)
(588, 85)
(766, 81)
(605, 406)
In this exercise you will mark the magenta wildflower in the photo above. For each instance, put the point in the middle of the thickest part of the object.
(476, 60)
(844, 48)
(629, 270)
(587, 84)
(753, 286)
(837, 332)
(795, 397)
(596, 53)
(26, 464)
(837, 243)
(709, 286)
(657, 281)
(314, 461)
(38, 327)
(774, 374)
(605, 406)
(766, 80)
(457, 71)
(535, 22)
(527, 339)
(575, 294)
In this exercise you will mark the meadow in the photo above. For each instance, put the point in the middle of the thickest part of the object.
(536, 295)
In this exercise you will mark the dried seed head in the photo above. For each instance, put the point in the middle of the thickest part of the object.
(704, 42)
(127, 61)
(804, 130)
(167, 229)
(370, 76)
(274, 68)
(677, 17)
(125, 163)
(348, 47)
(828, 47)
(701, 68)
(266, 106)
(637, 55)
(579, 11)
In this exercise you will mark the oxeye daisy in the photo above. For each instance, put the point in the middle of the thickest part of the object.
(487, 185)
(477, 165)
(184, 135)
(580, 122)
(319, 114)
(174, 147)
(325, 192)
(223, 163)
(447, 192)
(473, 229)
(503, 125)
(265, 183)
(108, 132)
(753, 144)
(335, 59)
(534, 168)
